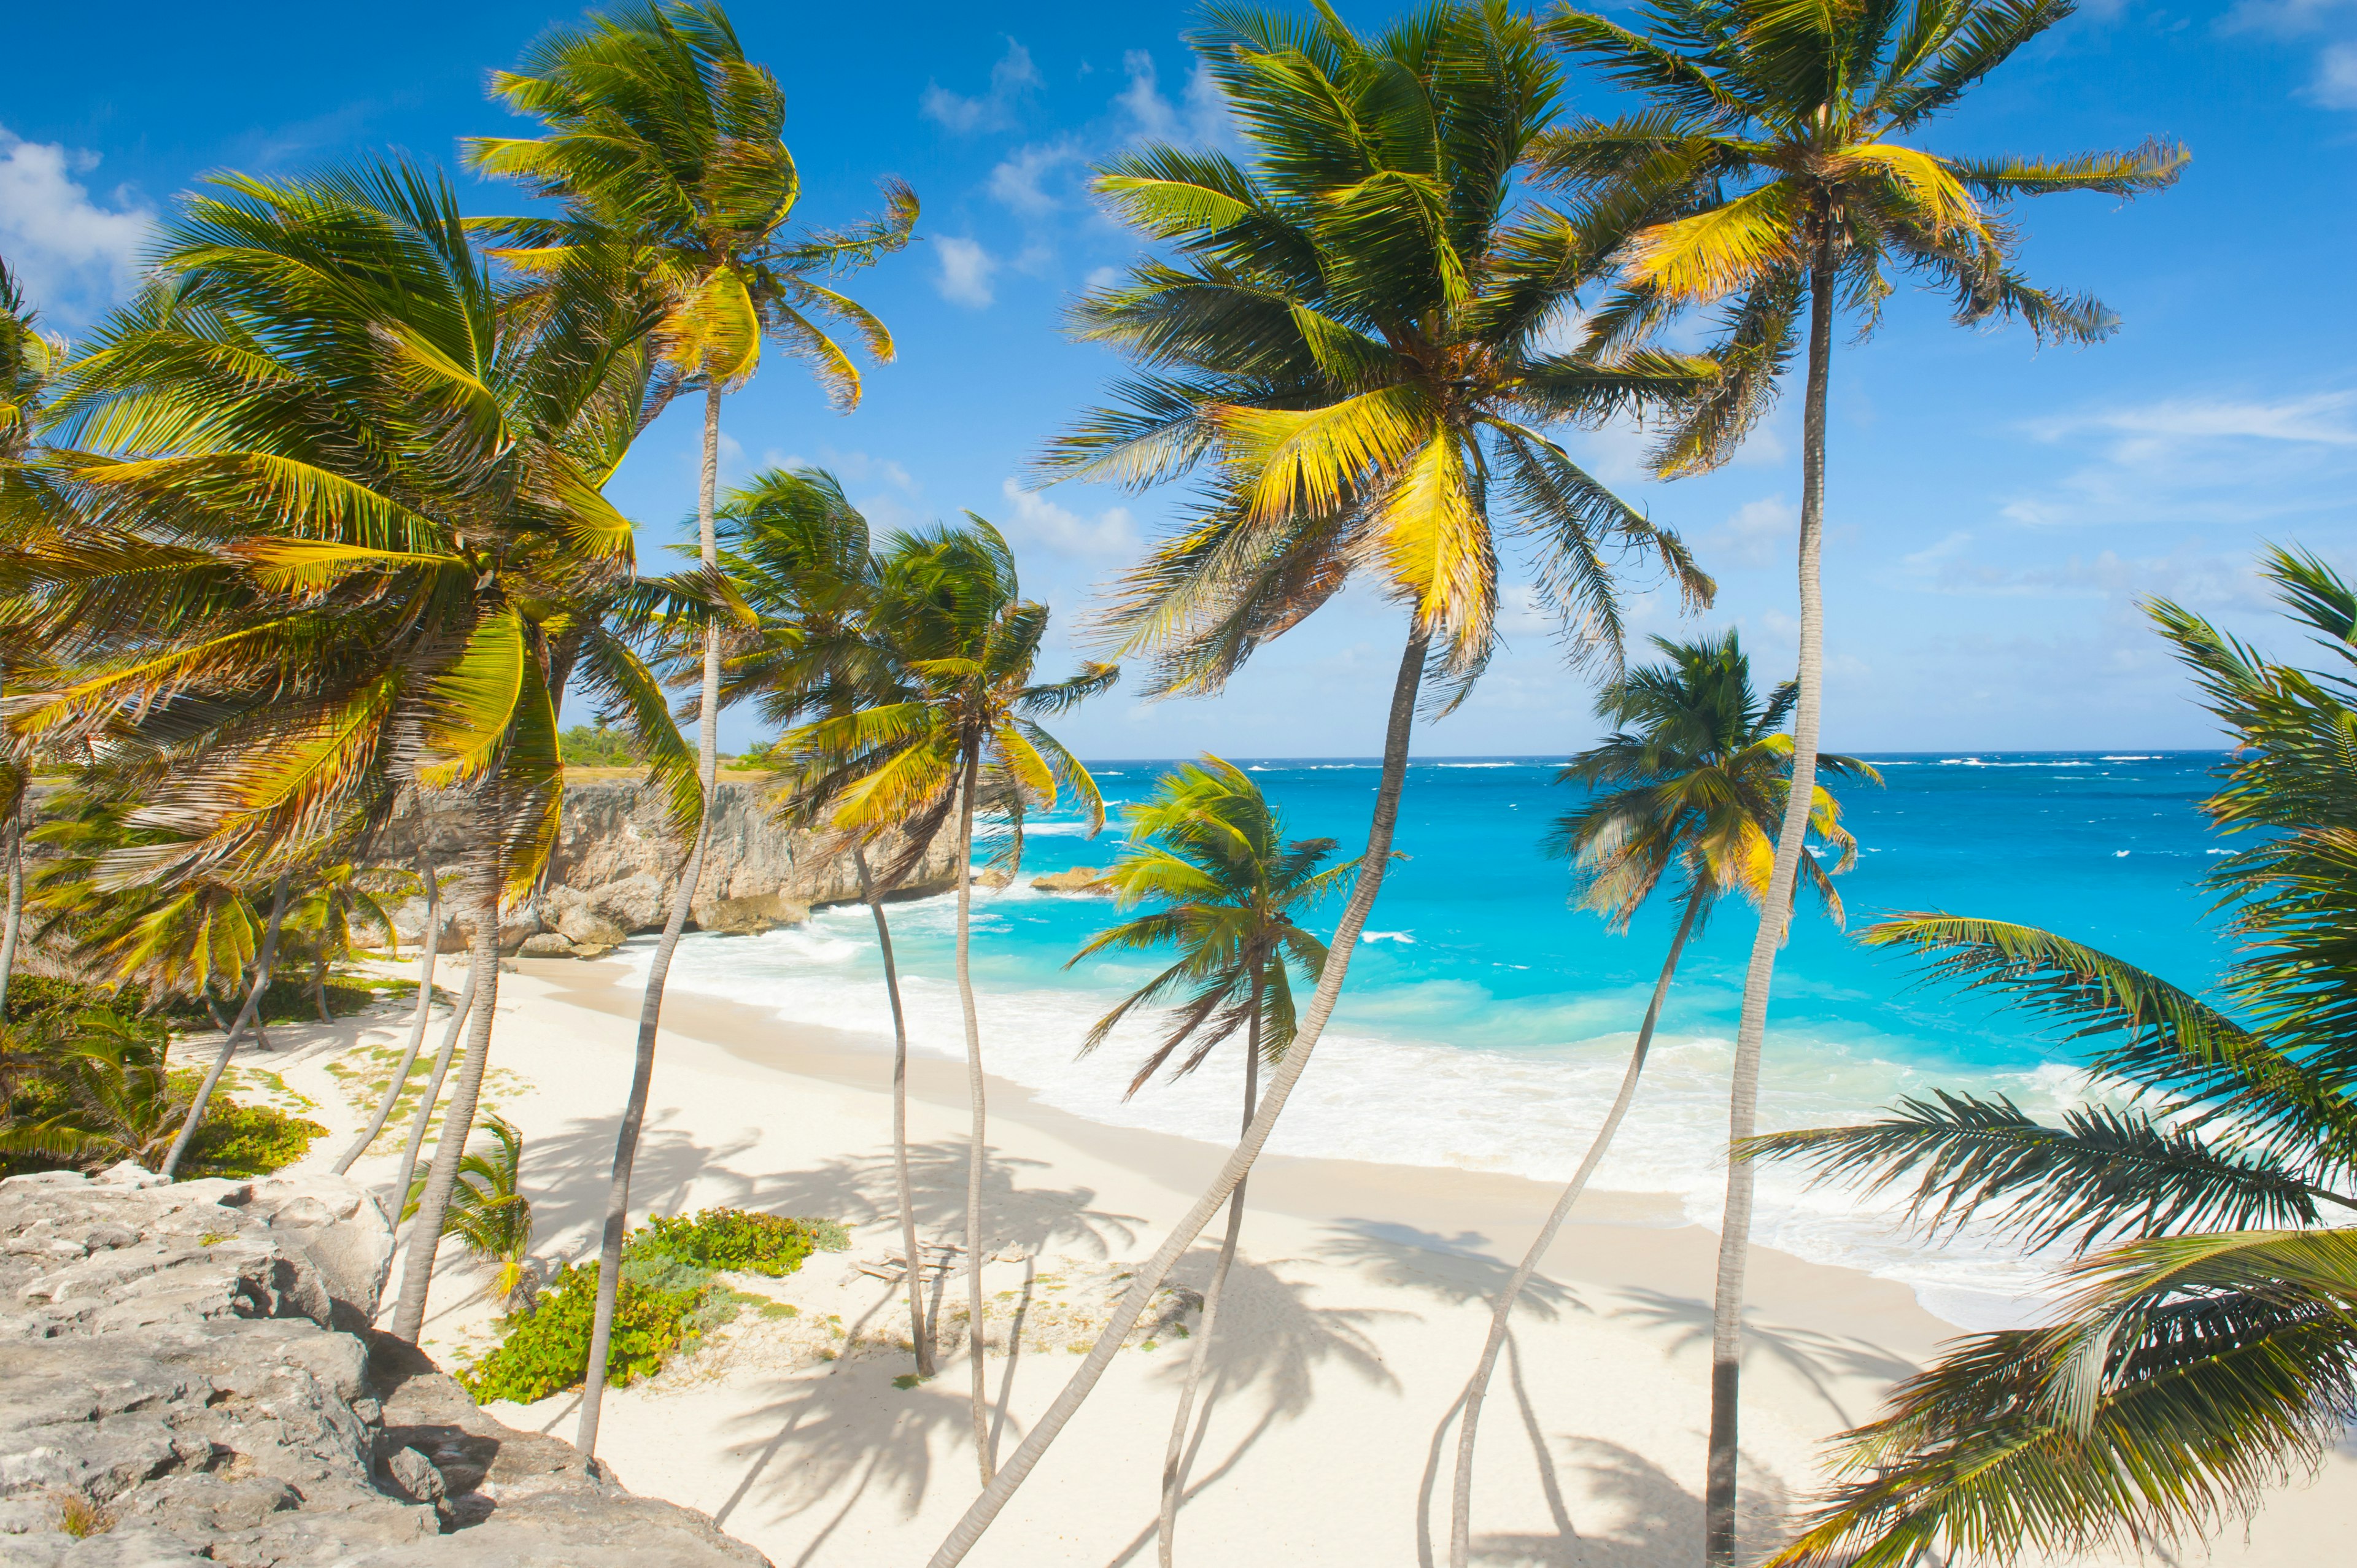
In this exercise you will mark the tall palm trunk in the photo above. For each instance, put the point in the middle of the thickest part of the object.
(431, 931)
(434, 1204)
(1775, 916)
(15, 917)
(245, 1017)
(425, 1103)
(319, 987)
(1462, 1516)
(917, 1335)
(1174, 1457)
(974, 1094)
(683, 901)
(1155, 1270)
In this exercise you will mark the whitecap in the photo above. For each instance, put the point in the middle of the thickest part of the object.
(1387, 937)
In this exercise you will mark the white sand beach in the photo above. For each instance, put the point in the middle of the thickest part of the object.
(1353, 1320)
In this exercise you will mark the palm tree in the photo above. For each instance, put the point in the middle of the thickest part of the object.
(315, 602)
(429, 943)
(1349, 341)
(489, 1213)
(964, 726)
(29, 505)
(664, 147)
(1768, 153)
(338, 903)
(2209, 1347)
(405, 1175)
(117, 1099)
(797, 552)
(1210, 852)
(1692, 782)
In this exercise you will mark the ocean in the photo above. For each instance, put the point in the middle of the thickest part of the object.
(1486, 1022)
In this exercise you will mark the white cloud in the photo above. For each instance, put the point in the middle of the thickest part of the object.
(965, 272)
(2335, 86)
(1104, 277)
(1202, 120)
(1010, 79)
(2322, 417)
(2281, 16)
(2217, 459)
(74, 256)
(1017, 181)
(1758, 535)
(2207, 582)
(1041, 521)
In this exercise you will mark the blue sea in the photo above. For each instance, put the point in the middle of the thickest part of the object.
(1486, 1022)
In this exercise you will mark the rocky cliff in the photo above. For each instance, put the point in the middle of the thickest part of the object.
(611, 871)
(174, 1389)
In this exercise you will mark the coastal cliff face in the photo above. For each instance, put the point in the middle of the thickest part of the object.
(610, 873)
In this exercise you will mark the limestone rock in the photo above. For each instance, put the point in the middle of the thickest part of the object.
(547, 944)
(1079, 879)
(582, 926)
(750, 917)
(994, 879)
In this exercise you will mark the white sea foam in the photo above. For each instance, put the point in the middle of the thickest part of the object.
(1405, 1101)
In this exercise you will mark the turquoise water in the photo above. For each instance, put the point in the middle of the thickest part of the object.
(1486, 1022)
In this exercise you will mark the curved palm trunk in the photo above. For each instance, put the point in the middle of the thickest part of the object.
(434, 1204)
(683, 901)
(974, 1093)
(426, 1101)
(1155, 1270)
(319, 987)
(246, 1017)
(16, 918)
(1775, 917)
(1462, 1516)
(432, 932)
(1174, 1458)
(917, 1335)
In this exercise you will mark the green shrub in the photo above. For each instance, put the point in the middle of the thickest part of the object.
(548, 1352)
(599, 746)
(237, 1140)
(735, 1239)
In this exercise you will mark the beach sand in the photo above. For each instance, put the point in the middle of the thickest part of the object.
(1353, 1318)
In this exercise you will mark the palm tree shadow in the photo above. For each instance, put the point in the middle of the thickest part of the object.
(1815, 1358)
(848, 1424)
(565, 1174)
(1643, 1517)
(1450, 1268)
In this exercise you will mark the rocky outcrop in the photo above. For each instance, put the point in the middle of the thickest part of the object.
(1079, 879)
(174, 1390)
(611, 872)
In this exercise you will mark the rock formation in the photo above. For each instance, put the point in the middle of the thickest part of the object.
(177, 1388)
(609, 875)
(1079, 879)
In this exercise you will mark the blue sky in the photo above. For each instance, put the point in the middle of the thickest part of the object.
(1995, 510)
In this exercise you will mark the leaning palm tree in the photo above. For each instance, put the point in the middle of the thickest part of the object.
(2209, 1347)
(1773, 151)
(1210, 852)
(664, 147)
(797, 552)
(1692, 783)
(1349, 339)
(962, 734)
(489, 1212)
(310, 605)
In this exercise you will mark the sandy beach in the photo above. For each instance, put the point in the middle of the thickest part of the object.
(1352, 1319)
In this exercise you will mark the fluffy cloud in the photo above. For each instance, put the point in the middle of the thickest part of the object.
(2215, 459)
(1202, 119)
(1034, 518)
(1017, 181)
(74, 256)
(1010, 79)
(1758, 535)
(965, 272)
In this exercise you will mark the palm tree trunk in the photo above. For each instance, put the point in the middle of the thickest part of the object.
(1155, 1270)
(319, 986)
(212, 1008)
(426, 1236)
(246, 1016)
(1174, 1457)
(16, 918)
(1775, 916)
(1461, 1516)
(433, 1093)
(917, 1335)
(431, 933)
(974, 1093)
(683, 901)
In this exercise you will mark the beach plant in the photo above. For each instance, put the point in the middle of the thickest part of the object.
(1208, 854)
(797, 554)
(1689, 784)
(1348, 337)
(959, 730)
(663, 143)
(2208, 1344)
(1774, 149)
(385, 547)
(489, 1212)
(339, 907)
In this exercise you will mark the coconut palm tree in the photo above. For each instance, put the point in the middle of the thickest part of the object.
(428, 881)
(29, 505)
(489, 1213)
(338, 904)
(1692, 783)
(964, 732)
(664, 147)
(1210, 852)
(114, 1098)
(1774, 149)
(2209, 1347)
(1349, 339)
(309, 604)
(797, 552)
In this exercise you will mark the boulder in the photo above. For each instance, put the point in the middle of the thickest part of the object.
(994, 879)
(1079, 879)
(582, 926)
(547, 944)
(750, 917)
